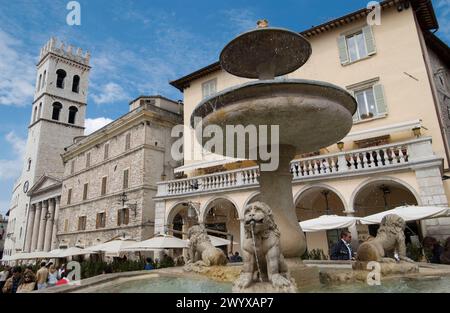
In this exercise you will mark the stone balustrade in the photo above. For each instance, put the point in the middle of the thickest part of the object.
(388, 157)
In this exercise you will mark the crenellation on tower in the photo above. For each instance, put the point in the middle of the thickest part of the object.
(70, 52)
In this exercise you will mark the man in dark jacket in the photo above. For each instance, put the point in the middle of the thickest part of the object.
(342, 250)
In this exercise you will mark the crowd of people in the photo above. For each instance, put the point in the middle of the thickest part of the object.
(433, 250)
(16, 280)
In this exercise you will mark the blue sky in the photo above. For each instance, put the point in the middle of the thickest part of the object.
(137, 47)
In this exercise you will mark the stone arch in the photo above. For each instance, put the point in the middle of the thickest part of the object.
(60, 77)
(369, 181)
(203, 209)
(249, 199)
(174, 210)
(324, 186)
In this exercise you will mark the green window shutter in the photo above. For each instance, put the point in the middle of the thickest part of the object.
(370, 40)
(343, 54)
(378, 92)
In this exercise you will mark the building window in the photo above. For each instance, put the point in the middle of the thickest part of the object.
(209, 88)
(72, 167)
(127, 141)
(123, 216)
(104, 181)
(39, 83)
(371, 103)
(125, 179)
(35, 114)
(82, 223)
(76, 84)
(356, 45)
(66, 225)
(101, 220)
(60, 76)
(85, 191)
(106, 151)
(43, 79)
(88, 159)
(69, 196)
(29, 165)
(72, 114)
(57, 107)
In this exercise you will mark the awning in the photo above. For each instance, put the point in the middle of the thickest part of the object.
(409, 213)
(111, 248)
(158, 242)
(326, 222)
(217, 241)
(383, 130)
(72, 251)
(205, 164)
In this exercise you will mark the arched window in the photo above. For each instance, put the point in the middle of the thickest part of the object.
(39, 83)
(76, 83)
(56, 111)
(39, 111)
(61, 75)
(43, 79)
(34, 114)
(72, 114)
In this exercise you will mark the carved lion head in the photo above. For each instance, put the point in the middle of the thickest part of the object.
(259, 216)
(392, 223)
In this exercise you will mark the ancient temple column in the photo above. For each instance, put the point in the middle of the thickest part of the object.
(49, 225)
(43, 221)
(36, 223)
(30, 226)
(54, 243)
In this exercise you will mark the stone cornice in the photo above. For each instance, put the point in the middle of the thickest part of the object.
(57, 97)
(55, 122)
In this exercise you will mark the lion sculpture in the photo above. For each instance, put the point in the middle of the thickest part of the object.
(390, 239)
(201, 252)
(263, 261)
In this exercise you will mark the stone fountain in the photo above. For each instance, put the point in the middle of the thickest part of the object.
(310, 115)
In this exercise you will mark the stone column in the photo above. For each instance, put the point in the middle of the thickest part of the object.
(43, 221)
(353, 231)
(54, 243)
(49, 225)
(36, 223)
(276, 191)
(30, 226)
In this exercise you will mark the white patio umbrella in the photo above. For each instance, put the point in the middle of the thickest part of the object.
(113, 247)
(217, 241)
(409, 213)
(35, 255)
(158, 242)
(326, 222)
(72, 251)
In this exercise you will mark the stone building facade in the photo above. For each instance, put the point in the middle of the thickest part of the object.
(110, 176)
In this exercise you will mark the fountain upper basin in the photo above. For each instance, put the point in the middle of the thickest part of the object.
(310, 114)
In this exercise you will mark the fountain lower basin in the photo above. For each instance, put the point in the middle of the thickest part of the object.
(310, 114)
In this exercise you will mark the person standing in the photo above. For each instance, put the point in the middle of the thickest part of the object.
(52, 276)
(342, 250)
(14, 281)
(149, 264)
(4, 275)
(42, 277)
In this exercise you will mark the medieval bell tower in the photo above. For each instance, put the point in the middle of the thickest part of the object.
(57, 117)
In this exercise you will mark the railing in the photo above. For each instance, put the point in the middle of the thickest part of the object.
(354, 162)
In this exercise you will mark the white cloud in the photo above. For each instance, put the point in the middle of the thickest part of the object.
(17, 72)
(93, 124)
(240, 20)
(443, 15)
(110, 93)
(12, 168)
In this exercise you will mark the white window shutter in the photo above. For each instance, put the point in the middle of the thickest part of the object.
(343, 53)
(370, 40)
(378, 92)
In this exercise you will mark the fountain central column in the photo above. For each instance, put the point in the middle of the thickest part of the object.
(276, 191)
